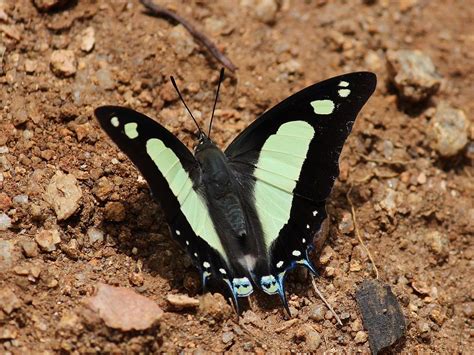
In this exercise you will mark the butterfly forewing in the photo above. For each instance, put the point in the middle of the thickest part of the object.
(173, 175)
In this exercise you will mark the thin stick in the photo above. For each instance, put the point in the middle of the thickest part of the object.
(160, 11)
(324, 300)
(356, 227)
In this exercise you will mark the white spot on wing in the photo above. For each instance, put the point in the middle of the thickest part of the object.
(303, 240)
(307, 226)
(114, 121)
(296, 253)
(131, 130)
(222, 271)
(315, 213)
(323, 107)
(344, 84)
(178, 232)
(195, 254)
(344, 92)
(280, 264)
(206, 265)
(187, 242)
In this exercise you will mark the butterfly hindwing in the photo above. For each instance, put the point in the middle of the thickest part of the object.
(173, 175)
(291, 156)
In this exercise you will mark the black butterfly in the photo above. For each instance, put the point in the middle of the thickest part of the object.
(249, 214)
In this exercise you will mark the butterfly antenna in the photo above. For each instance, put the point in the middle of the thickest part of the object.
(221, 77)
(184, 103)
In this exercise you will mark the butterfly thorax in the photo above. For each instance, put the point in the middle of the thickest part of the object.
(221, 187)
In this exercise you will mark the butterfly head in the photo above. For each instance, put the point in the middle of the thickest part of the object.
(204, 143)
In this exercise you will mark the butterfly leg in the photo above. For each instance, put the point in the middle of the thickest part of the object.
(234, 298)
(282, 293)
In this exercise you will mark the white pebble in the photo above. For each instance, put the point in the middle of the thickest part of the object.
(95, 235)
(5, 222)
(20, 199)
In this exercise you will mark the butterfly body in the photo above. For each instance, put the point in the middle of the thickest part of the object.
(248, 214)
(222, 189)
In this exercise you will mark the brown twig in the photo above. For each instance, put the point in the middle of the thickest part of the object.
(356, 227)
(325, 301)
(160, 11)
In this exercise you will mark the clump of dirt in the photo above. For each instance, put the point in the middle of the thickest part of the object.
(413, 203)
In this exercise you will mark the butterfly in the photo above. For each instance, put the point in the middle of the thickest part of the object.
(248, 214)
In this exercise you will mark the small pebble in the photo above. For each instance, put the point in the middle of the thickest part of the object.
(5, 222)
(63, 193)
(88, 39)
(316, 312)
(413, 74)
(227, 337)
(6, 254)
(438, 316)
(360, 337)
(103, 188)
(8, 300)
(95, 235)
(449, 130)
(347, 224)
(313, 340)
(30, 66)
(5, 201)
(438, 243)
(47, 239)
(420, 287)
(29, 247)
(182, 301)
(63, 63)
(20, 199)
(423, 326)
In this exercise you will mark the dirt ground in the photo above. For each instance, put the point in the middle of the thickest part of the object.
(414, 206)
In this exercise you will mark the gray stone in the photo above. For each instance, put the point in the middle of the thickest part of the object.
(317, 312)
(413, 74)
(449, 130)
(5, 221)
(95, 235)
